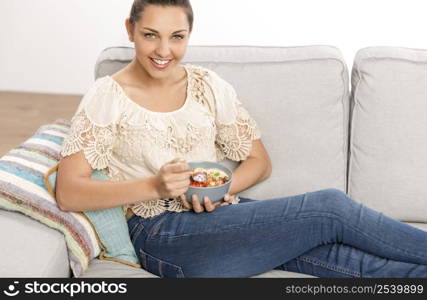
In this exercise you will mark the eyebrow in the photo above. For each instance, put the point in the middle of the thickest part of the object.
(153, 30)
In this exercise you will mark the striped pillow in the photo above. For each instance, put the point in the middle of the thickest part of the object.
(22, 189)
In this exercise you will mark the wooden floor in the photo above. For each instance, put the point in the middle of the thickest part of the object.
(21, 114)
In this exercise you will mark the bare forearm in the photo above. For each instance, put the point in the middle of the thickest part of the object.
(250, 172)
(84, 194)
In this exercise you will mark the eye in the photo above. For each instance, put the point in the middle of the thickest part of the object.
(179, 37)
(149, 35)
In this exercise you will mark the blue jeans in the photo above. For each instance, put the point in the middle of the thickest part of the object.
(323, 233)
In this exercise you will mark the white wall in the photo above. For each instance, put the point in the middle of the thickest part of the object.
(52, 45)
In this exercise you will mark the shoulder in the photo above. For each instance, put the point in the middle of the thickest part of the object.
(101, 87)
(211, 82)
(212, 89)
(203, 73)
(101, 102)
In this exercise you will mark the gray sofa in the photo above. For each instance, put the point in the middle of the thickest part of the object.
(370, 142)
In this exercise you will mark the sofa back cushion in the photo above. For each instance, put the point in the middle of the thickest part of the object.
(388, 162)
(299, 98)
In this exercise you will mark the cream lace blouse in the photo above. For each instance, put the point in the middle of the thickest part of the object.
(127, 141)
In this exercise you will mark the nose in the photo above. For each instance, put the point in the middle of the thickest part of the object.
(163, 50)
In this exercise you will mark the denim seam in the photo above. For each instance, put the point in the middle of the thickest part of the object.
(371, 237)
(160, 263)
(229, 228)
(328, 266)
(160, 269)
(137, 233)
(134, 228)
(374, 238)
(273, 220)
(143, 259)
(155, 228)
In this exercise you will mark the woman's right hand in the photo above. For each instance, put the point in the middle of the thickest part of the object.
(173, 179)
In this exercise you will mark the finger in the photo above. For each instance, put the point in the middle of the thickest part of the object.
(177, 179)
(178, 159)
(182, 179)
(172, 162)
(182, 192)
(184, 201)
(178, 167)
(197, 207)
(218, 204)
(229, 198)
(181, 186)
(208, 205)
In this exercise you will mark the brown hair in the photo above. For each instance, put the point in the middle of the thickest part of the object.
(139, 5)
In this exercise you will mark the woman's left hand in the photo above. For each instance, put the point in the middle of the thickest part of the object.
(208, 206)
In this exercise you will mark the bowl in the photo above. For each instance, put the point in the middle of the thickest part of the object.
(215, 193)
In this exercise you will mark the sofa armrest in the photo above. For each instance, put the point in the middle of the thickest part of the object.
(30, 248)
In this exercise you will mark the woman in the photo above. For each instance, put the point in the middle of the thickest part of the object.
(145, 122)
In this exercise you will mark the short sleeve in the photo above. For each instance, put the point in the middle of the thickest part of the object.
(94, 125)
(236, 129)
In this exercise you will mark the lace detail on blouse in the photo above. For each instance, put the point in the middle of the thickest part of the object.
(152, 208)
(96, 141)
(171, 138)
(199, 87)
(235, 140)
(127, 141)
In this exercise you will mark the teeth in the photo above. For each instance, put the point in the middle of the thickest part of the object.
(160, 62)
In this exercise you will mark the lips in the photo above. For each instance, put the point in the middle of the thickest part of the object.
(160, 66)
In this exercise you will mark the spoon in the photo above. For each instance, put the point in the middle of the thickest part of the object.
(199, 177)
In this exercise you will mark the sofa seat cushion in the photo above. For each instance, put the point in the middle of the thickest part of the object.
(110, 269)
(30, 248)
(107, 269)
(282, 274)
(23, 190)
(422, 226)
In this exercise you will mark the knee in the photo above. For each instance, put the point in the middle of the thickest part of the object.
(332, 198)
(335, 193)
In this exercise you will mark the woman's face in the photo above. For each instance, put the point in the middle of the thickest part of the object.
(161, 37)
